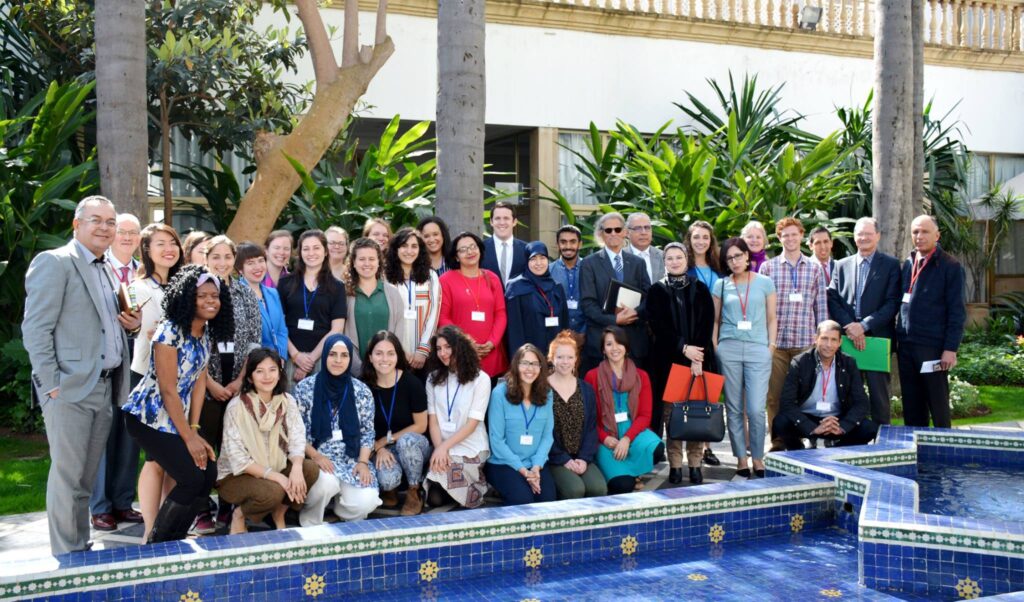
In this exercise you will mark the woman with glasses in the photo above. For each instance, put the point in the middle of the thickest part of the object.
(407, 266)
(337, 250)
(520, 423)
(535, 304)
(473, 299)
(744, 337)
(437, 241)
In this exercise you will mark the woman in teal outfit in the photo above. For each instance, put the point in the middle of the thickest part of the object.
(628, 446)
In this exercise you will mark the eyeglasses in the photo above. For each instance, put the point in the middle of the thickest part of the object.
(97, 221)
(646, 228)
(617, 230)
(337, 244)
(529, 364)
(732, 258)
(464, 250)
(121, 232)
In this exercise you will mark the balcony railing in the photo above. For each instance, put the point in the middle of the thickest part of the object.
(992, 25)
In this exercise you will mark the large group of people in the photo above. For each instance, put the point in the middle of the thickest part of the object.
(329, 375)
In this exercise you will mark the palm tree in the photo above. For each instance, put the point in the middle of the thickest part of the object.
(461, 97)
(121, 134)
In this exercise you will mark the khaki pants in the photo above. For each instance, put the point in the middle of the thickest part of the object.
(780, 368)
(674, 449)
(258, 497)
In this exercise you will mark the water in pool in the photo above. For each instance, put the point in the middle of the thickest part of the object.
(819, 565)
(971, 491)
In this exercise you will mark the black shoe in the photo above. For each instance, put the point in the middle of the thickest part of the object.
(743, 472)
(173, 520)
(675, 475)
(759, 473)
(696, 477)
(710, 458)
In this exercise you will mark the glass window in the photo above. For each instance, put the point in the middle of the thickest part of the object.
(572, 183)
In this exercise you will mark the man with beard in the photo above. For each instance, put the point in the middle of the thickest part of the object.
(566, 271)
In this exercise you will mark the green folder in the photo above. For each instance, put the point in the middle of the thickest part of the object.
(876, 354)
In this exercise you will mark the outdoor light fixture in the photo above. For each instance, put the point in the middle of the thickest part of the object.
(810, 16)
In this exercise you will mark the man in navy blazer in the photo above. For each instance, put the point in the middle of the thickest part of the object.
(503, 254)
(597, 270)
(863, 297)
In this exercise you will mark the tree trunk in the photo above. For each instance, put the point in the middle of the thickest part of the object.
(893, 126)
(917, 185)
(121, 136)
(461, 102)
(165, 156)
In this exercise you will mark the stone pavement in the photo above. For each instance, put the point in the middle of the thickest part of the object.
(25, 536)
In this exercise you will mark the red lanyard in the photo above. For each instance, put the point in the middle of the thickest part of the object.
(826, 375)
(551, 308)
(746, 297)
(915, 271)
(476, 295)
(824, 267)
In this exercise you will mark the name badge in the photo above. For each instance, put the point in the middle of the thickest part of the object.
(551, 321)
(525, 439)
(336, 435)
(823, 406)
(228, 347)
(745, 325)
(906, 297)
(410, 314)
(477, 316)
(305, 324)
(621, 416)
(796, 297)
(573, 304)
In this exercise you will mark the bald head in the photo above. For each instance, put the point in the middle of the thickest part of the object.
(924, 233)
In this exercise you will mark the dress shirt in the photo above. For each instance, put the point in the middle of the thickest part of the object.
(861, 281)
(115, 263)
(646, 256)
(111, 334)
(798, 321)
(612, 255)
(504, 246)
(810, 405)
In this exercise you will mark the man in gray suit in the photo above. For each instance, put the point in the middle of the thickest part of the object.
(76, 341)
(640, 233)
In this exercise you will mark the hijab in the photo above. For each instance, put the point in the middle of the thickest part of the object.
(329, 391)
(529, 283)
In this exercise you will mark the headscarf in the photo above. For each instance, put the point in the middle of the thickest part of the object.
(529, 283)
(329, 390)
(681, 280)
(630, 383)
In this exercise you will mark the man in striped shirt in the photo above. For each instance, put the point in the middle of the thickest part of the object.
(802, 305)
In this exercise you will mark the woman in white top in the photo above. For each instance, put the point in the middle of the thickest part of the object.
(162, 256)
(457, 396)
(262, 467)
(407, 266)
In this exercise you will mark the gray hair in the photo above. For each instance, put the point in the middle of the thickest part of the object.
(601, 221)
(635, 216)
(128, 217)
(827, 325)
(96, 198)
(752, 225)
(867, 219)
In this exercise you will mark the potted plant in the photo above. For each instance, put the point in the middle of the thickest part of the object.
(990, 219)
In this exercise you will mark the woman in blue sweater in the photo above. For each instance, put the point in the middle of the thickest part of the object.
(521, 424)
(251, 264)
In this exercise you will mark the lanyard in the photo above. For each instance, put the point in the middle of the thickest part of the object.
(389, 414)
(118, 272)
(826, 376)
(824, 268)
(476, 295)
(530, 419)
(915, 271)
(700, 275)
(551, 308)
(450, 401)
(306, 305)
(792, 274)
(412, 286)
(746, 297)
(344, 396)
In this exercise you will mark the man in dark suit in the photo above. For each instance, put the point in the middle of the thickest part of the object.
(503, 254)
(863, 296)
(597, 271)
(75, 337)
(820, 243)
(929, 325)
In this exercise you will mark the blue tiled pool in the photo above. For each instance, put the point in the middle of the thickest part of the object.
(971, 490)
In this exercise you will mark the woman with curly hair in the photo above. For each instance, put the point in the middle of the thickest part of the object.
(162, 412)
(373, 303)
(457, 396)
(314, 305)
(407, 266)
(521, 425)
(437, 241)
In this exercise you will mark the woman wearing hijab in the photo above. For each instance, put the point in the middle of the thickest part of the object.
(535, 304)
(337, 410)
(683, 336)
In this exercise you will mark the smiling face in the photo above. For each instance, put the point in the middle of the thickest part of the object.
(384, 358)
(96, 227)
(790, 237)
(207, 301)
(379, 233)
(502, 222)
(675, 262)
(614, 351)
(613, 234)
(700, 241)
(432, 238)
(254, 269)
(221, 260)
(529, 368)
(640, 232)
(163, 250)
(538, 265)
(468, 252)
(827, 344)
(568, 246)
(126, 237)
(821, 244)
(366, 263)
(444, 352)
(337, 246)
(338, 359)
(312, 253)
(924, 233)
(755, 240)
(866, 237)
(565, 360)
(409, 251)
(280, 251)
(265, 376)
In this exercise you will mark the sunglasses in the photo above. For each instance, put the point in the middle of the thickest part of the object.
(617, 230)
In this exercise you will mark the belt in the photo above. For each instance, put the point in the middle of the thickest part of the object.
(107, 373)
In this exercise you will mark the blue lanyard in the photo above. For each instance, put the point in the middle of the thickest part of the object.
(615, 384)
(307, 304)
(530, 419)
(334, 414)
(389, 414)
(792, 274)
(412, 285)
(450, 401)
(700, 275)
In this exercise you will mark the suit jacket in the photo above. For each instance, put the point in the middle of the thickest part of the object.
(936, 313)
(878, 303)
(830, 270)
(596, 273)
(657, 261)
(63, 328)
(800, 381)
(490, 260)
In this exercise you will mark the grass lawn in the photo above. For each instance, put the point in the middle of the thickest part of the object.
(1006, 403)
(24, 464)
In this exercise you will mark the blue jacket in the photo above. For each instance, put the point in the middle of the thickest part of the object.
(527, 311)
(936, 313)
(588, 445)
(570, 281)
(275, 333)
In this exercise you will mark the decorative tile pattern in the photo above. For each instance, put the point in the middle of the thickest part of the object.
(314, 585)
(697, 577)
(190, 596)
(716, 534)
(628, 545)
(796, 523)
(428, 571)
(968, 589)
(533, 558)
(832, 593)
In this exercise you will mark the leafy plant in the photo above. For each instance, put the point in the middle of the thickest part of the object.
(219, 187)
(996, 211)
(964, 401)
(16, 410)
(990, 364)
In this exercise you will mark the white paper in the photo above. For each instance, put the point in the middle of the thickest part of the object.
(621, 416)
(526, 440)
(931, 366)
(906, 297)
(745, 325)
(823, 406)
(551, 321)
(336, 435)
(796, 297)
(477, 316)
(628, 298)
(305, 324)
(573, 304)
(410, 314)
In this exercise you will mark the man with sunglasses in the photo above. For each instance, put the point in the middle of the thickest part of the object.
(597, 271)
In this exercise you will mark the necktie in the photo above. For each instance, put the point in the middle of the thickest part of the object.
(618, 267)
(503, 262)
(862, 276)
(124, 273)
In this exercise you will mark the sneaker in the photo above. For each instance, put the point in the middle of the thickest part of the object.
(204, 524)
(224, 515)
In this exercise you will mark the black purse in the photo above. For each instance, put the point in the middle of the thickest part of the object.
(696, 420)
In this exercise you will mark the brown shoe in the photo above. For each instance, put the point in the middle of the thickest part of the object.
(104, 522)
(413, 501)
(389, 499)
(127, 516)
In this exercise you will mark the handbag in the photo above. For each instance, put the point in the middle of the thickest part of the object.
(696, 420)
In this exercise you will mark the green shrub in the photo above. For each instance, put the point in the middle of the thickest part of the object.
(990, 364)
(16, 409)
(964, 401)
(998, 330)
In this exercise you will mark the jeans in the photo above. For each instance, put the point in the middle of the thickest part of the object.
(747, 367)
(412, 455)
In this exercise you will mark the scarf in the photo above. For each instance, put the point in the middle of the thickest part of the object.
(328, 392)
(676, 282)
(605, 394)
(264, 430)
(756, 259)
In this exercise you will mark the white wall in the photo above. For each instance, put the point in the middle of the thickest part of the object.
(565, 79)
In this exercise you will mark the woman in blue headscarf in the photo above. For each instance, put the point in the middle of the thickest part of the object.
(535, 304)
(337, 410)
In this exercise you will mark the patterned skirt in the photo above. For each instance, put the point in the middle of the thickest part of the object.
(464, 480)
